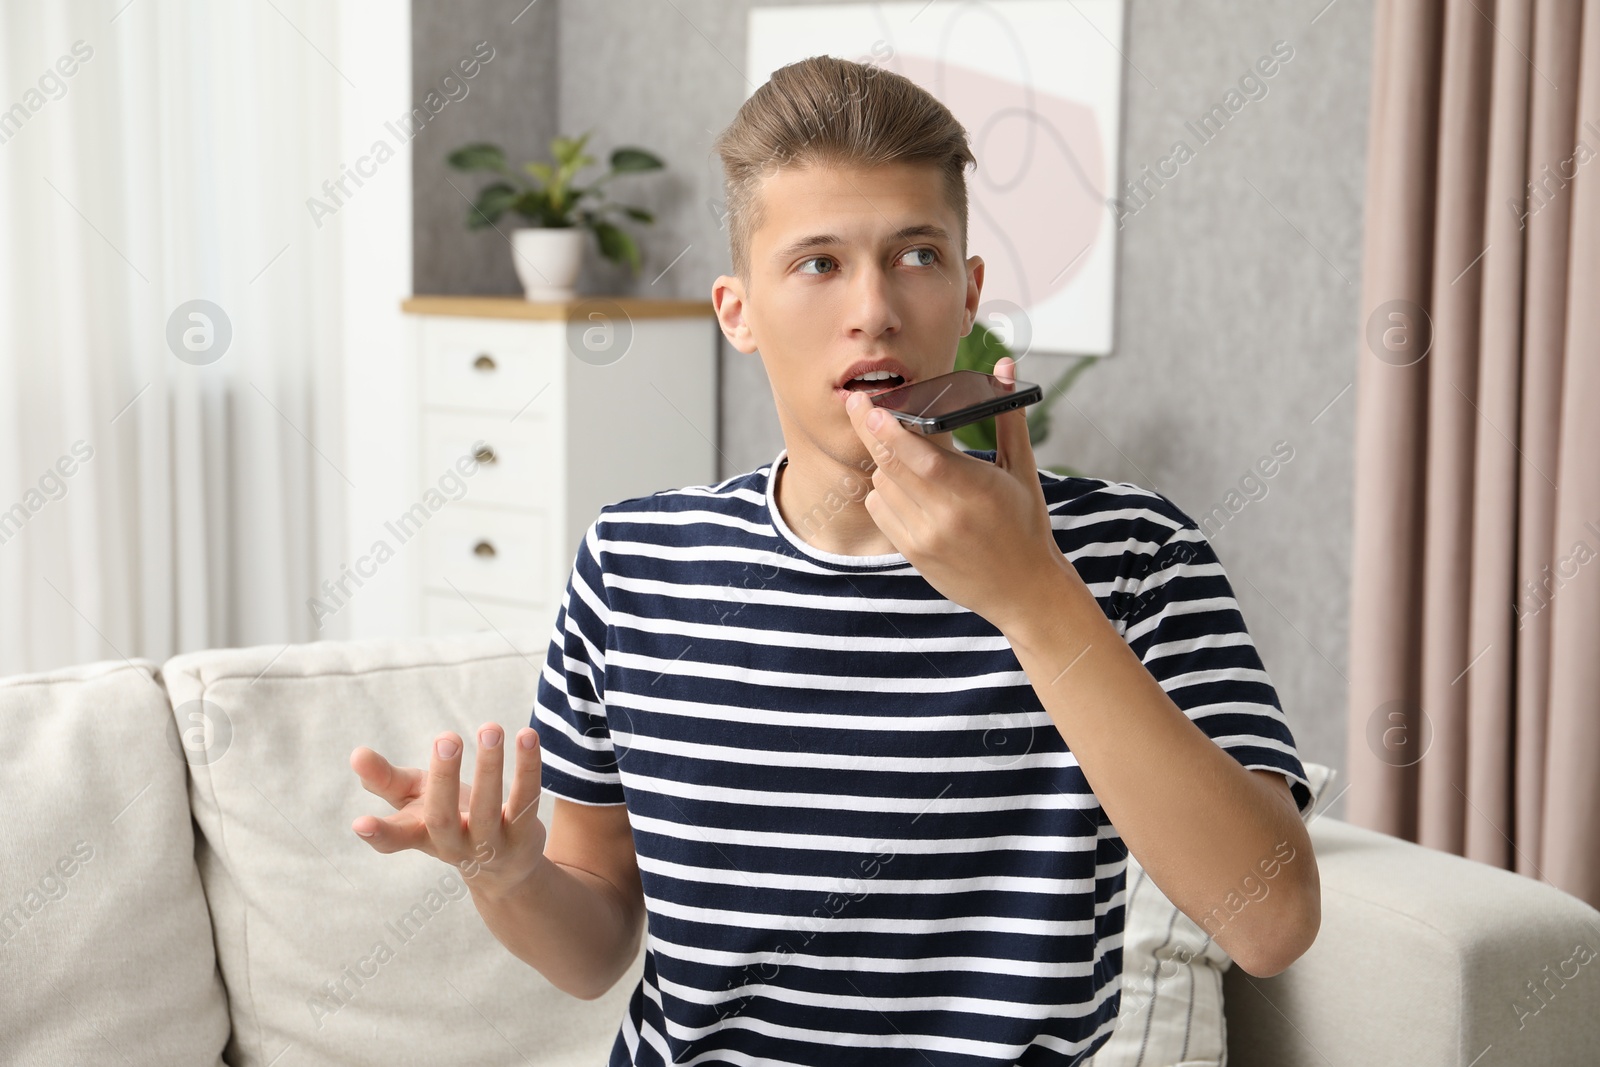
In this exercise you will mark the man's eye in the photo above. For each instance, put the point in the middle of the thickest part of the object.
(933, 257)
(815, 259)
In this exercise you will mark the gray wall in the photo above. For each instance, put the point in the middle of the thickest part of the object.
(512, 102)
(1237, 316)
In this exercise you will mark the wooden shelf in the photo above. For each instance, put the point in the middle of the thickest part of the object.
(515, 307)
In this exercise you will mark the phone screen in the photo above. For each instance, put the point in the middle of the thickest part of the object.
(937, 397)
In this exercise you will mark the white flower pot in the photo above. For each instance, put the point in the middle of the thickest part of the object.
(548, 260)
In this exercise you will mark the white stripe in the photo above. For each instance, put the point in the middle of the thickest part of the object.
(597, 657)
(765, 556)
(827, 884)
(654, 1038)
(957, 924)
(856, 846)
(973, 1005)
(601, 609)
(718, 713)
(684, 518)
(953, 765)
(1112, 549)
(1194, 644)
(925, 1042)
(624, 620)
(1178, 571)
(858, 683)
(583, 774)
(1220, 674)
(1130, 516)
(1255, 741)
(644, 785)
(1072, 1048)
(763, 595)
(710, 957)
(1197, 606)
(1238, 707)
(553, 718)
(630, 1033)
(757, 591)
(559, 681)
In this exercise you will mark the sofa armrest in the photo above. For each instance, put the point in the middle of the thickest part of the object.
(1424, 957)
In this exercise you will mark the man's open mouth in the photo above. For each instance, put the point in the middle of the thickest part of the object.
(873, 383)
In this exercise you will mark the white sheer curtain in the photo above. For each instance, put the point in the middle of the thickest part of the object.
(159, 497)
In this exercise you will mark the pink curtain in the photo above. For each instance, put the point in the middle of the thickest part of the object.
(1475, 614)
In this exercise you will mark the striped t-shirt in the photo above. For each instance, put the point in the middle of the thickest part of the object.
(861, 837)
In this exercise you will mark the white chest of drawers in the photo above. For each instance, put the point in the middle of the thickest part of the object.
(532, 417)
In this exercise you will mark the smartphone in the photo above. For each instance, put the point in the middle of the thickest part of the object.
(937, 405)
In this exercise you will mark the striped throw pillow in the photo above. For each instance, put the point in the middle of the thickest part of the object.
(1171, 1013)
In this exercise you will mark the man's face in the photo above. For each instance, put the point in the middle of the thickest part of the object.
(849, 265)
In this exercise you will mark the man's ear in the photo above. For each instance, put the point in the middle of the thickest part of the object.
(974, 290)
(728, 297)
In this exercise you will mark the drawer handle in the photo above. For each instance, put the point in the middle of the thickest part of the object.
(484, 362)
(483, 548)
(485, 455)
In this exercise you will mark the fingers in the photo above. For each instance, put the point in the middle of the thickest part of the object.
(389, 835)
(525, 781)
(1013, 446)
(487, 778)
(378, 776)
(897, 451)
(887, 514)
(441, 803)
(431, 812)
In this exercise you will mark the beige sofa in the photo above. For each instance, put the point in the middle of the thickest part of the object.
(181, 886)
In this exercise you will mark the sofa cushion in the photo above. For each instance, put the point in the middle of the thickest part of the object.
(1171, 1013)
(333, 952)
(1425, 957)
(105, 945)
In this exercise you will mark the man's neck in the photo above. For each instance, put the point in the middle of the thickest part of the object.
(822, 500)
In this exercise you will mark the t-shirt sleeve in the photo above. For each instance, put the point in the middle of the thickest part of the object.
(579, 762)
(1185, 626)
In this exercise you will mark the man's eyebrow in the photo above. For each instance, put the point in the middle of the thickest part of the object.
(822, 240)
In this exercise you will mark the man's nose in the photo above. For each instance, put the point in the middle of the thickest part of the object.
(872, 301)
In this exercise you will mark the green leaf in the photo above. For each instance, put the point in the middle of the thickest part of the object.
(638, 213)
(479, 156)
(571, 167)
(542, 171)
(632, 160)
(1038, 422)
(616, 245)
(1063, 383)
(980, 349)
(493, 201)
(567, 149)
(534, 206)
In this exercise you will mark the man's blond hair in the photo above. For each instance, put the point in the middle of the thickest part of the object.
(834, 112)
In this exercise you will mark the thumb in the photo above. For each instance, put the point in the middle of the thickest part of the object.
(1013, 448)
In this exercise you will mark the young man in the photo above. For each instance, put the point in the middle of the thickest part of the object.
(859, 741)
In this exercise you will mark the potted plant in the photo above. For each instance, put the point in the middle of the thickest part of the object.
(548, 252)
(980, 350)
